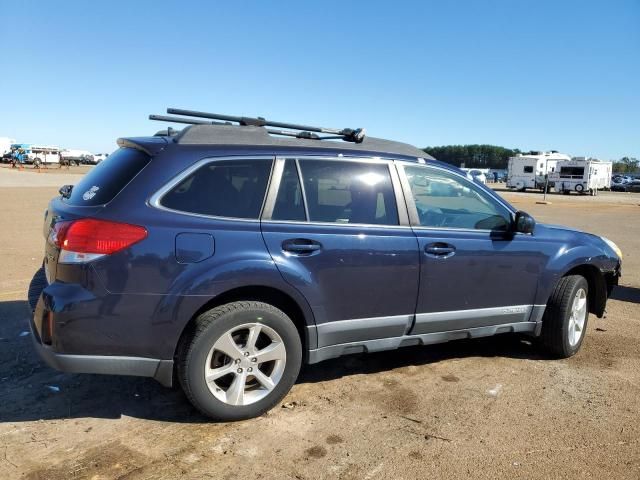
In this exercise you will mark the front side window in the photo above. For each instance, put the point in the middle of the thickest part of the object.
(228, 188)
(349, 192)
(446, 200)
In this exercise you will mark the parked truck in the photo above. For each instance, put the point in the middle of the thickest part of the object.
(582, 175)
(528, 170)
(26, 153)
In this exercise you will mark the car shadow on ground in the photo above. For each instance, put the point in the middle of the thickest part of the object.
(626, 294)
(30, 390)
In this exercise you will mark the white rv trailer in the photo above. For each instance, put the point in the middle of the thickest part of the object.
(5, 147)
(528, 170)
(582, 175)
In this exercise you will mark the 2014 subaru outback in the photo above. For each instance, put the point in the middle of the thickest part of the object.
(225, 255)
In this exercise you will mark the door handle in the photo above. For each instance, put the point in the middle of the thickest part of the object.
(441, 250)
(301, 246)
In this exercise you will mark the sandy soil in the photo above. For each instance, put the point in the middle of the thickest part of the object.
(491, 408)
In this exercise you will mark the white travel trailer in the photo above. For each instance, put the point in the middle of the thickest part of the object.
(5, 146)
(582, 175)
(528, 170)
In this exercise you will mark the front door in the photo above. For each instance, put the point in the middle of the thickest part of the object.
(335, 233)
(474, 273)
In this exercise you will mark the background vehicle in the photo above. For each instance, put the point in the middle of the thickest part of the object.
(478, 174)
(99, 157)
(528, 170)
(627, 186)
(26, 153)
(582, 175)
(76, 157)
(228, 255)
(5, 148)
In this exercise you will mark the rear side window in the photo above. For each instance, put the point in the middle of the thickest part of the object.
(528, 169)
(229, 188)
(105, 181)
(349, 192)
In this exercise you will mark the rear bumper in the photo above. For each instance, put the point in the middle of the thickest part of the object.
(42, 303)
(161, 370)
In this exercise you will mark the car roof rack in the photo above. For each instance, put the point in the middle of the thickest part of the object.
(179, 115)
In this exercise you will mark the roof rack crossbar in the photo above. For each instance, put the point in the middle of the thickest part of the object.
(348, 134)
(190, 121)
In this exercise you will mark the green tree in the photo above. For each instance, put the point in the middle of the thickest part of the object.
(626, 165)
(474, 156)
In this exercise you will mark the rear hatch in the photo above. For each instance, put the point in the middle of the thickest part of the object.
(74, 210)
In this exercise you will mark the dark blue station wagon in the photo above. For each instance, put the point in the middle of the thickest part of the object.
(224, 256)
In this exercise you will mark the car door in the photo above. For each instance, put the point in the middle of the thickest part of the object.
(335, 232)
(473, 271)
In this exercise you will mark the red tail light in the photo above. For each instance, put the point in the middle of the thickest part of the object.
(89, 235)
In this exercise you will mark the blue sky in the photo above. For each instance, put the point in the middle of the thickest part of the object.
(528, 74)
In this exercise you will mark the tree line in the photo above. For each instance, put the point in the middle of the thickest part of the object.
(474, 156)
(493, 156)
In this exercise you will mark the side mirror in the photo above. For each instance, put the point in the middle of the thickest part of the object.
(524, 223)
(65, 191)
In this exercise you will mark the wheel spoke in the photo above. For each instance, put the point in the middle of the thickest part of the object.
(235, 392)
(265, 381)
(275, 351)
(254, 333)
(227, 345)
(215, 373)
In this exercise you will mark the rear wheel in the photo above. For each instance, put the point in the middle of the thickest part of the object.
(579, 188)
(565, 319)
(241, 359)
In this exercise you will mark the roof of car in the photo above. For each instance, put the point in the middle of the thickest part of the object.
(233, 135)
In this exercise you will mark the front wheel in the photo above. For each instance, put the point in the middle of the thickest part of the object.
(241, 359)
(565, 319)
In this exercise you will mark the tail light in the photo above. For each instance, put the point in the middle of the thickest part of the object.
(84, 240)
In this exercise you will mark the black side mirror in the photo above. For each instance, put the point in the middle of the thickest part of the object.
(65, 191)
(524, 223)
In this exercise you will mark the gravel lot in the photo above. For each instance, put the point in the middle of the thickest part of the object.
(490, 408)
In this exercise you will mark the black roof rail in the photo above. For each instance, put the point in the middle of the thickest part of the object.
(356, 135)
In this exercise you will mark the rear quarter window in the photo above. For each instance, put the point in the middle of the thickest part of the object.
(105, 180)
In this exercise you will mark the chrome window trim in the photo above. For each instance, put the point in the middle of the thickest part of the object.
(341, 225)
(303, 190)
(273, 188)
(411, 205)
(155, 199)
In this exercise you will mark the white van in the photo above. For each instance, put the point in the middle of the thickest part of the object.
(582, 175)
(528, 170)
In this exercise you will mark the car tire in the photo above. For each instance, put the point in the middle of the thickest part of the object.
(219, 346)
(579, 188)
(37, 162)
(565, 319)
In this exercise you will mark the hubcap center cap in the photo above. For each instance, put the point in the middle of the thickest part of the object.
(245, 362)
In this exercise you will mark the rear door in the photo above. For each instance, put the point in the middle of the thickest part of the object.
(474, 273)
(334, 229)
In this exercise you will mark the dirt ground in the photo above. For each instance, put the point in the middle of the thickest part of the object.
(489, 408)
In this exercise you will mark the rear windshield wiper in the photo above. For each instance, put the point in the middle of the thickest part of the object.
(65, 191)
